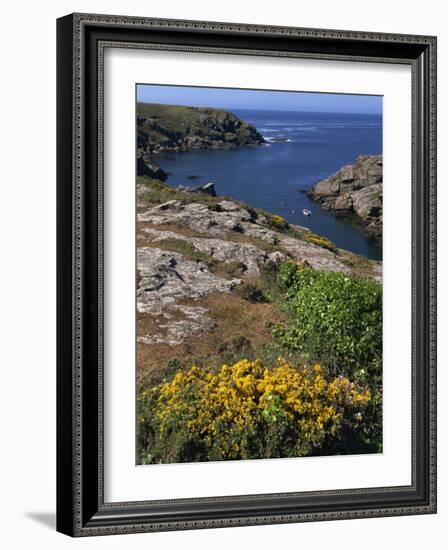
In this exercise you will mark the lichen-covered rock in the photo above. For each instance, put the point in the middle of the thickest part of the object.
(197, 216)
(164, 280)
(231, 217)
(317, 257)
(166, 277)
(356, 189)
(174, 330)
(250, 257)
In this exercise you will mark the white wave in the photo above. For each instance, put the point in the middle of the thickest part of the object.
(278, 139)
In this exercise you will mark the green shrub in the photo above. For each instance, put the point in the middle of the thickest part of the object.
(336, 318)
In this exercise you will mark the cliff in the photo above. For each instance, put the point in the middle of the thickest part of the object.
(355, 190)
(175, 128)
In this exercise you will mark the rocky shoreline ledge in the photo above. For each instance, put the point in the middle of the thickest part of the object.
(356, 190)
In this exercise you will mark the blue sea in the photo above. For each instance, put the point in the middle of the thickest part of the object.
(273, 176)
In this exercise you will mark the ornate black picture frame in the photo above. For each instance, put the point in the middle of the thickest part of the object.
(81, 509)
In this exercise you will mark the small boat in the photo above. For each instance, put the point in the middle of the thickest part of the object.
(306, 212)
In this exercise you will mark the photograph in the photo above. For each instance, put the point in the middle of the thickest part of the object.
(259, 310)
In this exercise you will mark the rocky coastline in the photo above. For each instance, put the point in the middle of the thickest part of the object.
(199, 254)
(173, 128)
(356, 191)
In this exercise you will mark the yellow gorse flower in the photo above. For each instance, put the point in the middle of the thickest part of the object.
(319, 241)
(284, 411)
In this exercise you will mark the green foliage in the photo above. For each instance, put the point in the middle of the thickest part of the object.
(336, 319)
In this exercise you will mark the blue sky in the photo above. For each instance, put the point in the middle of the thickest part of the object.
(230, 98)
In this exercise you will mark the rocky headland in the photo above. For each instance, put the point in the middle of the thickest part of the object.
(356, 190)
(175, 128)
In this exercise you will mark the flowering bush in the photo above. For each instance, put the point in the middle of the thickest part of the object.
(319, 241)
(246, 411)
(276, 222)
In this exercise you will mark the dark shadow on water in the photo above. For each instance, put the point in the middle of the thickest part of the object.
(47, 519)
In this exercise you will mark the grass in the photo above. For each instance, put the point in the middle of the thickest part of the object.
(157, 192)
(359, 265)
(238, 328)
(263, 289)
(276, 222)
(175, 118)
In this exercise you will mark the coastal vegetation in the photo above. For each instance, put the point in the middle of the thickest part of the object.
(337, 319)
(256, 338)
(246, 411)
(310, 391)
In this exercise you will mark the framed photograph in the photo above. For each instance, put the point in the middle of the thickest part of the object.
(246, 274)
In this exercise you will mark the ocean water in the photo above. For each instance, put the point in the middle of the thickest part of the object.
(273, 176)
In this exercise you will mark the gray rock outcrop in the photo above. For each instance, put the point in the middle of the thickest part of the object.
(355, 190)
(164, 280)
(208, 189)
(228, 217)
(167, 277)
(251, 257)
(146, 168)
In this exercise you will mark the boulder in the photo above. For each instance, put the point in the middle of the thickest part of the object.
(355, 190)
(145, 168)
(208, 189)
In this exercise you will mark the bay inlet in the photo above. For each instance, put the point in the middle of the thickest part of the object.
(301, 149)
